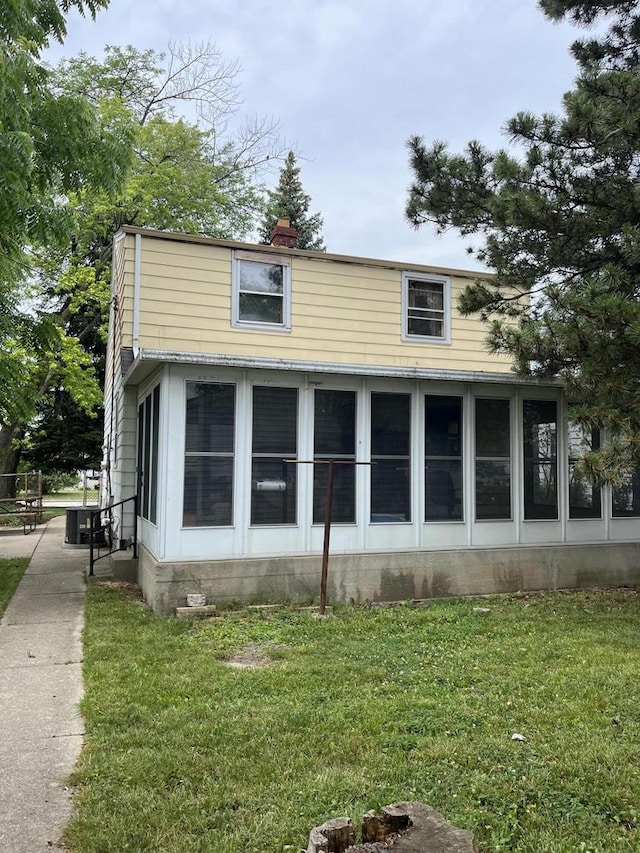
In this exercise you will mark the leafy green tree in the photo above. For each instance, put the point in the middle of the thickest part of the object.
(185, 176)
(560, 226)
(51, 145)
(289, 201)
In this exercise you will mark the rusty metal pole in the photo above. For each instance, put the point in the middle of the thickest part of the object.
(327, 535)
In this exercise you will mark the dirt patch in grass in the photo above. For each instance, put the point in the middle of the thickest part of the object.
(130, 590)
(254, 656)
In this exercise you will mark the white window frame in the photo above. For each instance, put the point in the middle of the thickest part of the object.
(261, 258)
(445, 281)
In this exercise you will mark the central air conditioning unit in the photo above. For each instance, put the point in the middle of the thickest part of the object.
(79, 527)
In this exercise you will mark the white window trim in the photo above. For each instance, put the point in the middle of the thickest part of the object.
(261, 258)
(445, 281)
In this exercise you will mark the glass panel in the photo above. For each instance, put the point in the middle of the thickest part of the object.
(425, 328)
(343, 505)
(146, 466)
(390, 424)
(273, 492)
(425, 294)
(443, 426)
(626, 498)
(140, 455)
(492, 428)
(443, 490)
(390, 491)
(273, 481)
(493, 489)
(155, 435)
(335, 437)
(275, 420)
(210, 417)
(540, 469)
(261, 278)
(260, 309)
(208, 491)
(584, 498)
(390, 477)
(334, 423)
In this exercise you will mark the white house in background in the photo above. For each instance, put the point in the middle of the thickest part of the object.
(228, 360)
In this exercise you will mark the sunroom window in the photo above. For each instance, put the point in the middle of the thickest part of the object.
(584, 497)
(209, 454)
(390, 457)
(540, 427)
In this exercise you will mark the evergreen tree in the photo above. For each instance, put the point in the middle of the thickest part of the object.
(560, 226)
(289, 201)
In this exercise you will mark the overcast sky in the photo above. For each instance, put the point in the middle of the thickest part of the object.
(349, 81)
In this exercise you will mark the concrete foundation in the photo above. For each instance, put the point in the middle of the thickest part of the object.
(389, 576)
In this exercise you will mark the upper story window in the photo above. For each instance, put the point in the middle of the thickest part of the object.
(426, 308)
(261, 291)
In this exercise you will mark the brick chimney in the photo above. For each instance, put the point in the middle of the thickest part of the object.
(282, 234)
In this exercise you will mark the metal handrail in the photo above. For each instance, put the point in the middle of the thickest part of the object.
(108, 525)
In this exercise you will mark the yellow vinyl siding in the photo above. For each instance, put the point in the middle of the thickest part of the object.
(342, 312)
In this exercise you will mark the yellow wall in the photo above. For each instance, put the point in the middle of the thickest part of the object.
(342, 311)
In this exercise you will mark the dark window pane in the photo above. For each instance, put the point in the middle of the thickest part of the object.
(540, 467)
(424, 327)
(584, 498)
(275, 420)
(626, 498)
(260, 309)
(390, 424)
(146, 466)
(334, 423)
(426, 295)
(493, 489)
(273, 492)
(343, 505)
(443, 426)
(443, 490)
(210, 417)
(390, 491)
(492, 428)
(208, 491)
(140, 456)
(334, 437)
(155, 436)
(261, 278)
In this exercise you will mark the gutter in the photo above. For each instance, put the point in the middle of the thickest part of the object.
(251, 362)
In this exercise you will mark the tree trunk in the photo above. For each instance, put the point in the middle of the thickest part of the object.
(10, 453)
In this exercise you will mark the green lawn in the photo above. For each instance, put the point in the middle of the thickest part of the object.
(186, 755)
(11, 572)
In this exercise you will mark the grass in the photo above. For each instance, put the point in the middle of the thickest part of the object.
(72, 495)
(186, 755)
(11, 571)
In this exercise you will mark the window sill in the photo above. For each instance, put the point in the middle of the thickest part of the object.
(260, 327)
(419, 339)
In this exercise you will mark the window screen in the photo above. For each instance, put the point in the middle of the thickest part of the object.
(391, 457)
(493, 459)
(274, 439)
(540, 427)
(584, 497)
(209, 454)
(443, 458)
(334, 437)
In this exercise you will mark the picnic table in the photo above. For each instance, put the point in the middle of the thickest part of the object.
(28, 509)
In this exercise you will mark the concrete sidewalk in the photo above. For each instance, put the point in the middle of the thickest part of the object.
(40, 687)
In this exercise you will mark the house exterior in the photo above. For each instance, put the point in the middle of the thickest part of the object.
(232, 368)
